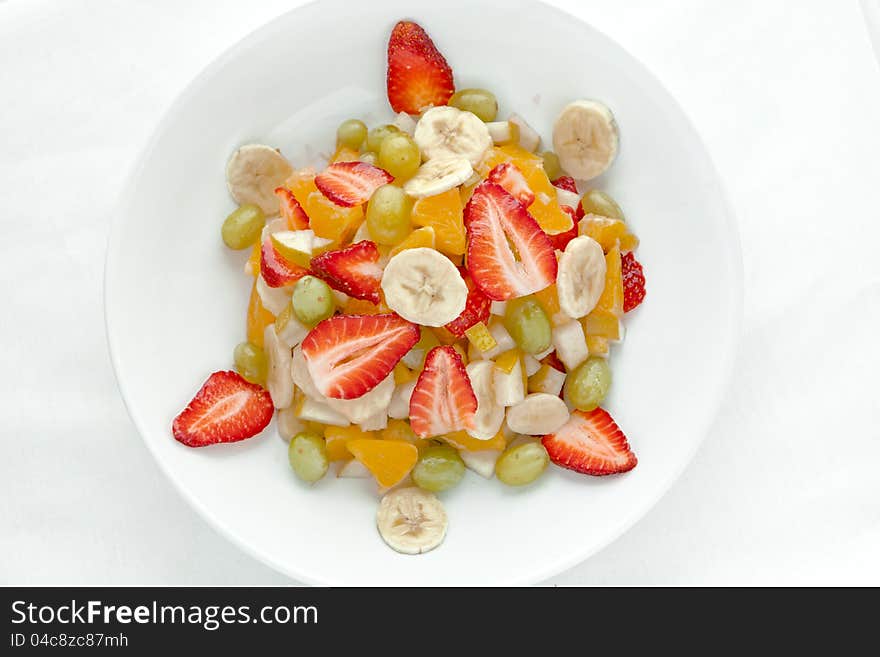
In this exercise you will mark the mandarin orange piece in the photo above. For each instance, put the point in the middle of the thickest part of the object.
(258, 318)
(389, 460)
(443, 213)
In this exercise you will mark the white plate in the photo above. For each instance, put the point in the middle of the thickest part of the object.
(176, 298)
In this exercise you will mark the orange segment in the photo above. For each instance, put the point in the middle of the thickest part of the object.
(421, 237)
(258, 318)
(461, 440)
(389, 460)
(612, 296)
(337, 440)
(552, 218)
(252, 266)
(302, 183)
(443, 213)
(549, 300)
(603, 324)
(331, 221)
(607, 232)
(360, 307)
(402, 374)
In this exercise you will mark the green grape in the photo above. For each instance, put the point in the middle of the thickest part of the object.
(400, 156)
(551, 165)
(250, 361)
(479, 101)
(438, 468)
(377, 135)
(351, 133)
(242, 227)
(388, 215)
(308, 456)
(312, 300)
(528, 325)
(522, 464)
(587, 385)
(596, 202)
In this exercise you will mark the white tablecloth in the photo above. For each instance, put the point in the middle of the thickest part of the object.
(785, 489)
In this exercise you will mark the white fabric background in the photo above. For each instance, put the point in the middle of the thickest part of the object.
(785, 489)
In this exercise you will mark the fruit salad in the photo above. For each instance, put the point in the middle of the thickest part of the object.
(440, 296)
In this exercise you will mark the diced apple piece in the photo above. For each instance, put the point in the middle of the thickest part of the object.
(571, 344)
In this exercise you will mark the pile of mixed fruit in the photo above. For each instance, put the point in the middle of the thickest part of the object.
(439, 297)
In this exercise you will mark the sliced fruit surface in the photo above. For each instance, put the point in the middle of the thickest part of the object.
(389, 460)
(354, 270)
(351, 183)
(495, 222)
(443, 213)
(418, 74)
(590, 443)
(443, 400)
(225, 409)
(349, 355)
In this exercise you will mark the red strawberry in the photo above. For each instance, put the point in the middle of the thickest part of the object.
(476, 308)
(354, 270)
(633, 281)
(291, 210)
(351, 183)
(349, 355)
(226, 409)
(443, 400)
(418, 75)
(495, 221)
(561, 240)
(513, 181)
(590, 443)
(567, 183)
(276, 271)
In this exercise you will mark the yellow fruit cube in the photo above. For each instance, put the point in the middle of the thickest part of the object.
(597, 346)
(402, 374)
(602, 324)
(508, 360)
(480, 337)
(337, 440)
(331, 221)
(611, 299)
(461, 440)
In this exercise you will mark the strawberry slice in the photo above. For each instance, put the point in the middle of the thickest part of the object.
(276, 271)
(418, 75)
(291, 210)
(510, 177)
(476, 308)
(567, 183)
(226, 409)
(633, 281)
(590, 443)
(561, 240)
(443, 400)
(349, 355)
(354, 270)
(495, 222)
(552, 360)
(351, 183)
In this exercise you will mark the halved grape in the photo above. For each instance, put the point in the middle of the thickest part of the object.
(351, 133)
(528, 325)
(388, 215)
(598, 202)
(250, 361)
(551, 165)
(479, 101)
(400, 156)
(307, 454)
(438, 469)
(522, 464)
(377, 135)
(312, 300)
(587, 385)
(242, 227)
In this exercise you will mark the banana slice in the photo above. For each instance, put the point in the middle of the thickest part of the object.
(490, 414)
(278, 380)
(411, 520)
(449, 132)
(537, 414)
(437, 176)
(423, 286)
(585, 138)
(252, 174)
(581, 276)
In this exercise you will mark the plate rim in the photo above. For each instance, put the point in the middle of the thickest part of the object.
(733, 334)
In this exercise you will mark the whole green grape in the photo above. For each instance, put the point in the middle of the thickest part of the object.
(388, 215)
(438, 469)
(478, 101)
(312, 300)
(351, 133)
(400, 156)
(377, 135)
(251, 362)
(587, 385)
(528, 325)
(307, 454)
(522, 464)
(243, 226)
